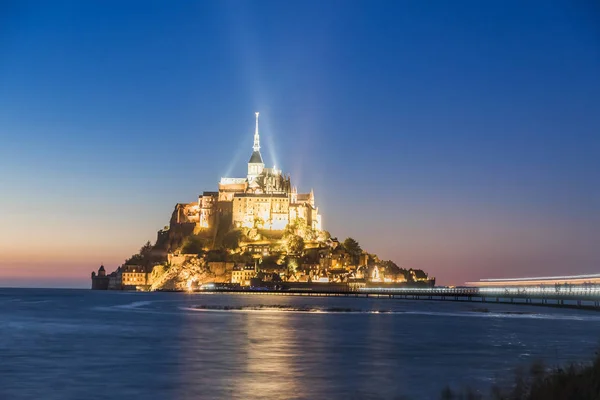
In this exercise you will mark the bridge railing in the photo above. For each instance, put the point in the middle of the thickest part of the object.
(589, 291)
(559, 291)
(424, 291)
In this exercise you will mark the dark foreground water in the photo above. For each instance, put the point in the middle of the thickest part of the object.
(78, 344)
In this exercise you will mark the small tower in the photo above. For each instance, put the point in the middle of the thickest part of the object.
(256, 164)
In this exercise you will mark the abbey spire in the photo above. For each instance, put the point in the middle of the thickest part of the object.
(255, 165)
(256, 146)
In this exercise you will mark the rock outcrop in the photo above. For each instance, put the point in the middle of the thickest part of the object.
(182, 276)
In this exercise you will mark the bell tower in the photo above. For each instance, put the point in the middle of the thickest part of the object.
(256, 164)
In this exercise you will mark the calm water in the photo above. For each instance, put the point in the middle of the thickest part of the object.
(78, 344)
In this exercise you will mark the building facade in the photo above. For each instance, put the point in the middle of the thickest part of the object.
(133, 276)
(243, 274)
(100, 280)
(265, 198)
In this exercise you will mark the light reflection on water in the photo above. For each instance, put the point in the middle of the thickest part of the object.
(102, 345)
(249, 355)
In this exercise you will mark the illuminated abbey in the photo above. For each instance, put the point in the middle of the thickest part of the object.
(265, 198)
(254, 232)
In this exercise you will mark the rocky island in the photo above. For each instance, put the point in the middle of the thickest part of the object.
(253, 232)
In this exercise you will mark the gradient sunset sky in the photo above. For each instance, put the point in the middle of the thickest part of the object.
(460, 137)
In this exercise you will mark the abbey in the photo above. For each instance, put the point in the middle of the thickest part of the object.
(265, 198)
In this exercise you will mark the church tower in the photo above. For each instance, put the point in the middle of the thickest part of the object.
(256, 164)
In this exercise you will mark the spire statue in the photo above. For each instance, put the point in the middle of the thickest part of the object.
(255, 165)
(256, 146)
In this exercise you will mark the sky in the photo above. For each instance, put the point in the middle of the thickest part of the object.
(462, 137)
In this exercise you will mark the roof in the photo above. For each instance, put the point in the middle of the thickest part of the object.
(280, 195)
(131, 267)
(304, 197)
(256, 158)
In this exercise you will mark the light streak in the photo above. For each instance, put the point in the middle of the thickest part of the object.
(589, 276)
(554, 290)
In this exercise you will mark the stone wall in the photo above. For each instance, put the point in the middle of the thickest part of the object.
(180, 259)
(220, 268)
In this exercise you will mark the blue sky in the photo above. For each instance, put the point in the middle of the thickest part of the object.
(458, 137)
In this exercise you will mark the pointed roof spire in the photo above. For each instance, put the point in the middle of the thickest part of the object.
(256, 146)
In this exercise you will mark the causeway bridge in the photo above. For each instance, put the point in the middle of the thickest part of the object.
(568, 296)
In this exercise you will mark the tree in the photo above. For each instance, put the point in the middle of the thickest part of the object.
(292, 264)
(135, 259)
(231, 240)
(193, 245)
(143, 257)
(353, 249)
(299, 227)
(295, 244)
(311, 256)
(216, 256)
(242, 258)
(146, 250)
(324, 236)
(269, 262)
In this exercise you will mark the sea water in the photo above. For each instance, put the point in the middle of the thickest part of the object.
(82, 344)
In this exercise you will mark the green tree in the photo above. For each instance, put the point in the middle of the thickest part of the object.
(193, 245)
(144, 257)
(353, 249)
(216, 256)
(292, 264)
(299, 227)
(311, 256)
(324, 236)
(269, 262)
(146, 250)
(231, 240)
(295, 244)
(243, 258)
(135, 259)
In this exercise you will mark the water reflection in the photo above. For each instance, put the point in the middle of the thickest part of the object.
(270, 351)
(155, 346)
(228, 355)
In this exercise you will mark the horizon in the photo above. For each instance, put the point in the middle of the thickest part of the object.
(460, 140)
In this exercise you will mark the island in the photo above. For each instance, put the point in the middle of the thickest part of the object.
(256, 232)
